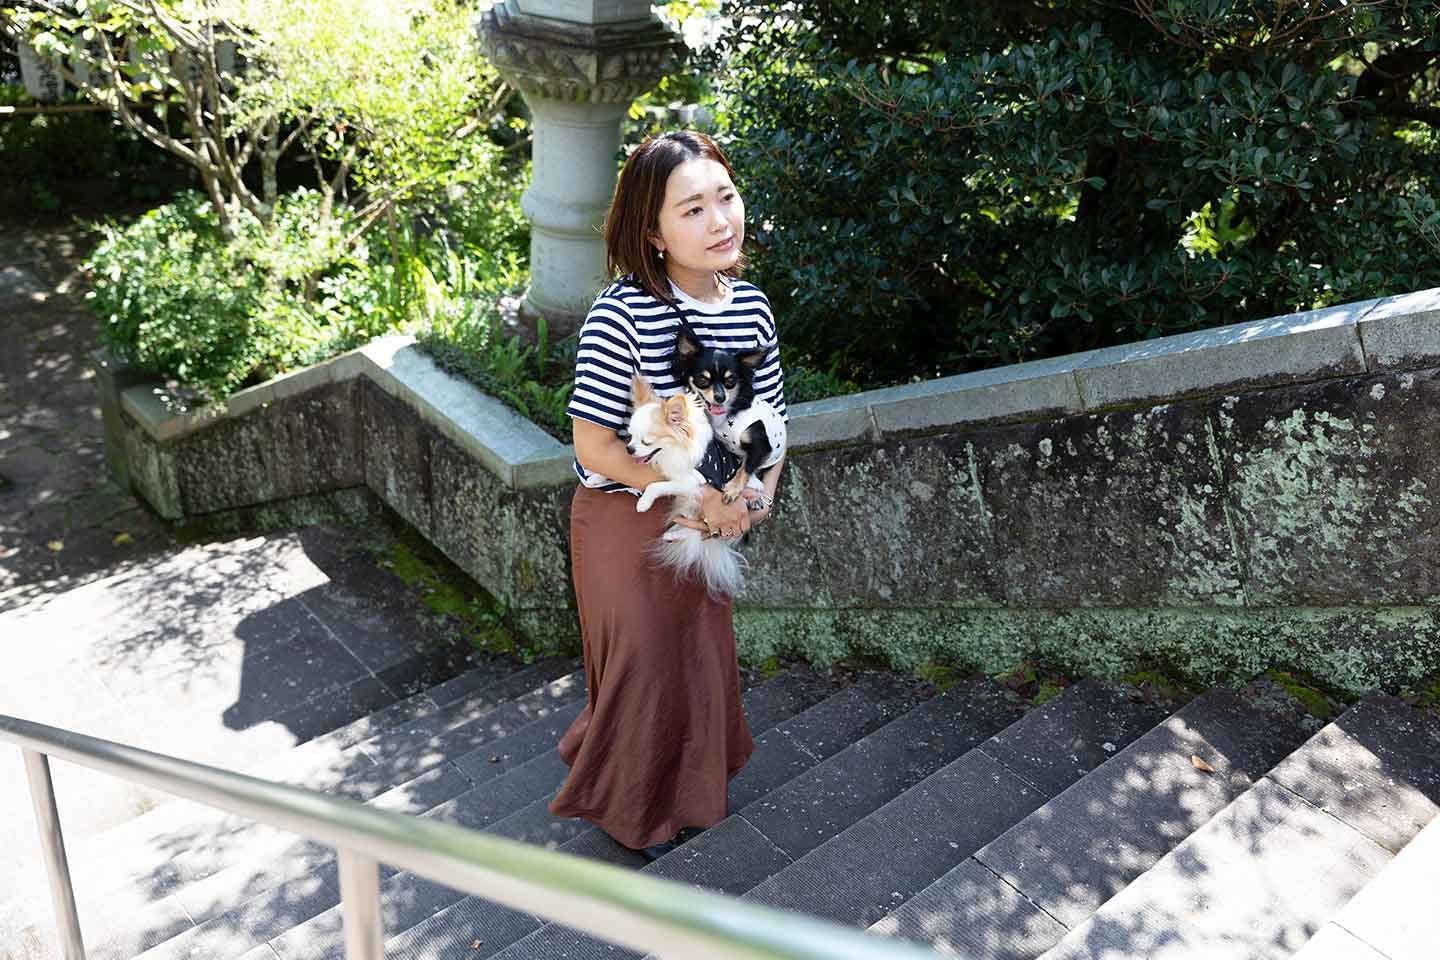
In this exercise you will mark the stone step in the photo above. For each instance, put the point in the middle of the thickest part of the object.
(1021, 893)
(802, 813)
(321, 763)
(275, 859)
(797, 816)
(781, 753)
(1261, 877)
(473, 718)
(1394, 916)
(282, 857)
(875, 865)
(1064, 728)
(185, 843)
(426, 773)
(804, 739)
(295, 877)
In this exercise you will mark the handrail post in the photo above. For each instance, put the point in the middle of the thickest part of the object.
(52, 842)
(360, 903)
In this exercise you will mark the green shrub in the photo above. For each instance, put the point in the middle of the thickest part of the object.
(173, 300)
(535, 379)
(1020, 180)
(804, 381)
(177, 300)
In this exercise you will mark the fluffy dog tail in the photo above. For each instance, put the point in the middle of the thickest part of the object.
(714, 561)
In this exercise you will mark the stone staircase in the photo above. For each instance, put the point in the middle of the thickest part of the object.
(1098, 824)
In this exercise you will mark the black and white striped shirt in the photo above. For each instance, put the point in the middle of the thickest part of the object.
(627, 330)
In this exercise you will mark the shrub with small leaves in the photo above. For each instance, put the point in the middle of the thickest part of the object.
(173, 299)
(178, 299)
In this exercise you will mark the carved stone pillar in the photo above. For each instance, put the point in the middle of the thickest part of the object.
(579, 64)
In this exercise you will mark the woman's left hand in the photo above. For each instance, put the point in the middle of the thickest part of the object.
(728, 520)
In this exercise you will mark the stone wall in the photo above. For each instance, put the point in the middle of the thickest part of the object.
(1224, 501)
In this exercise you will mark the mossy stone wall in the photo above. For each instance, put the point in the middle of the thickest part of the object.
(1289, 526)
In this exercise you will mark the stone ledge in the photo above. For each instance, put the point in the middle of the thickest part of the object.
(1403, 332)
(507, 444)
(1400, 332)
(1390, 333)
(1295, 348)
(498, 437)
(1217, 531)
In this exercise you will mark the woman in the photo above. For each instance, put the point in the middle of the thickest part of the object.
(663, 730)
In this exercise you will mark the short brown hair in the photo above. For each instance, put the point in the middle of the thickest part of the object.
(635, 209)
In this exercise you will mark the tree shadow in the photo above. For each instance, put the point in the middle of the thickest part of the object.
(1255, 878)
(217, 645)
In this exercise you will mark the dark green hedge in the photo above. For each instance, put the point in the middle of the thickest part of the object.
(936, 186)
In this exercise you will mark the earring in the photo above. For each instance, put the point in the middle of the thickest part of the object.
(660, 254)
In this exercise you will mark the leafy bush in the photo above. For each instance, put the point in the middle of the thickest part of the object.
(444, 277)
(535, 379)
(175, 300)
(804, 381)
(179, 299)
(303, 83)
(1020, 180)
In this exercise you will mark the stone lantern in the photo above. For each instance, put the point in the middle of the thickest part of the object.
(579, 64)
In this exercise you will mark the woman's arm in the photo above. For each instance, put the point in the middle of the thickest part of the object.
(600, 450)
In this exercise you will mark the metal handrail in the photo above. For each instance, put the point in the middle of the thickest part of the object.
(621, 906)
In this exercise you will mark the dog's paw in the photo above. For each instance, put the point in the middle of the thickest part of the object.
(645, 502)
(732, 490)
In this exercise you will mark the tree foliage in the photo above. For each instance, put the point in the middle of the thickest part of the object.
(383, 97)
(944, 186)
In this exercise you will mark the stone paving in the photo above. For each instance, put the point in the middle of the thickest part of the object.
(223, 652)
(62, 519)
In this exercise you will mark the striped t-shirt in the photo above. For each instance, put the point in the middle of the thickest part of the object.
(627, 330)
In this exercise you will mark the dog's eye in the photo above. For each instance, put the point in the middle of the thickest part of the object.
(703, 380)
(648, 440)
(729, 379)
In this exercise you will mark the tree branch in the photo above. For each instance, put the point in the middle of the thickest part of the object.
(117, 80)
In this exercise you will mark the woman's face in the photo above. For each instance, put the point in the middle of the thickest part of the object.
(702, 220)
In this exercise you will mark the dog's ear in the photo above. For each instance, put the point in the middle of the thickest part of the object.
(640, 391)
(676, 414)
(687, 345)
(753, 358)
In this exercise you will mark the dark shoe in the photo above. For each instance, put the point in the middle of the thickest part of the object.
(655, 852)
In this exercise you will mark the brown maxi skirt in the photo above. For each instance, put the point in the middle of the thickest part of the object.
(663, 730)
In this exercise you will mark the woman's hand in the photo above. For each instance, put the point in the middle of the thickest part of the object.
(728, 520)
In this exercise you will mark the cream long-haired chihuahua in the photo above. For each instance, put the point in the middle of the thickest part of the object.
(672, 435)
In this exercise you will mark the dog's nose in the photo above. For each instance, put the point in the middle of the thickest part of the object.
(630, 449)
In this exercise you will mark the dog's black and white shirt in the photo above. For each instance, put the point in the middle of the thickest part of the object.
(627, 331)
(729, 432)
